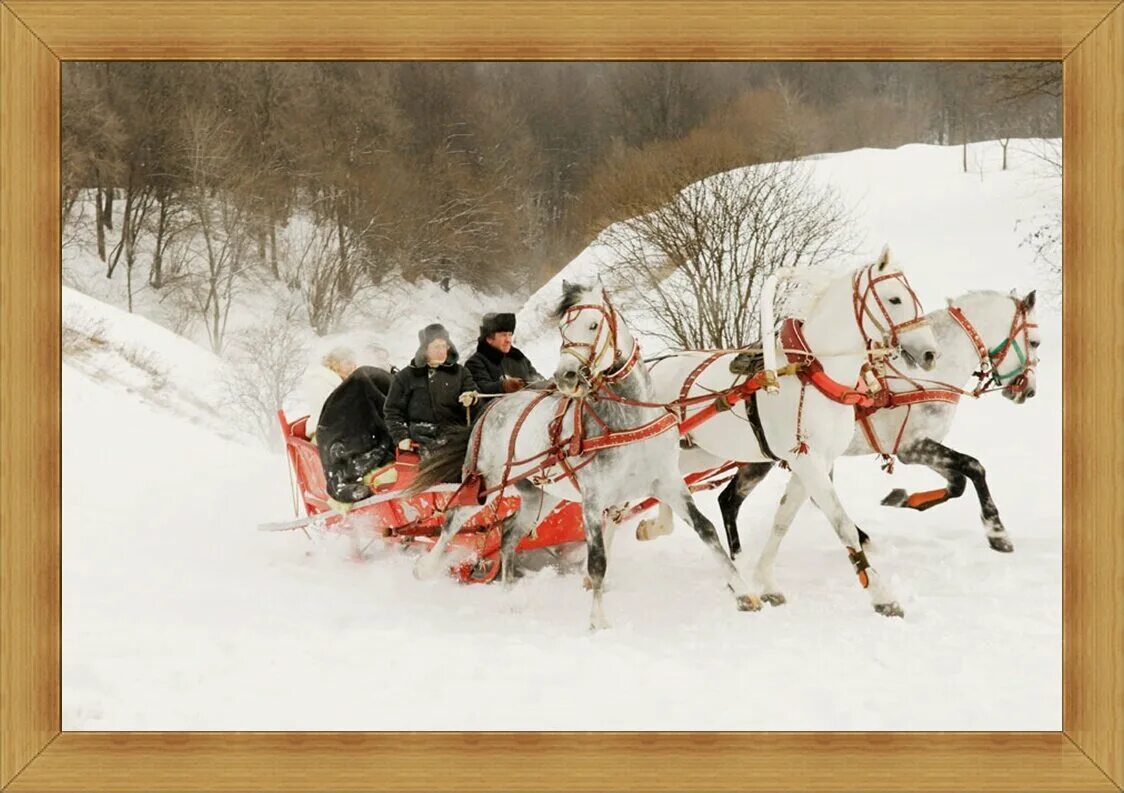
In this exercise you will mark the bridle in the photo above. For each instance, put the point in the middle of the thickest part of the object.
(989, 377)
(606, 338)
(864, 306)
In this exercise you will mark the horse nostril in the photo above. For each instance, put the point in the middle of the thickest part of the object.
(1030, 393)
(930, 358)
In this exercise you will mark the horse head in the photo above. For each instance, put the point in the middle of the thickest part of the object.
(595, 342)
(887, 311)
(1014, 365)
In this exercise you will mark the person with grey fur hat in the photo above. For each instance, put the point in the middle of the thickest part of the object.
(497, 366)
(429, 398)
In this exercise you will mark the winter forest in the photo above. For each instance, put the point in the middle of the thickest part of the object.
(186, 176)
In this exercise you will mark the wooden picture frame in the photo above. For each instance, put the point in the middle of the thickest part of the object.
(1086, 35)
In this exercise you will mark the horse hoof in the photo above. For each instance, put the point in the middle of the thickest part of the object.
(891, 609)
(1001, 544)
(587, 583)
(774, 598)
(749, 603)
(896, 498)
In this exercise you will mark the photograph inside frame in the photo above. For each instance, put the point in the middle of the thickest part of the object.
(561, 396)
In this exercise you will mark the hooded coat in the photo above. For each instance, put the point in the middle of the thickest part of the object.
(352, 436)
(422, 403)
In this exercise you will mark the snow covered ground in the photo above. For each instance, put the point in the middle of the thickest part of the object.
(178, 615)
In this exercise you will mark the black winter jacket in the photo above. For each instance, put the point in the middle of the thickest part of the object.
(352, 436)
(488, 365)
(422, 402)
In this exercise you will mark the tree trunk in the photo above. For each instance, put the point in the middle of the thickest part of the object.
(156, 273)
(124, 243)
(99, 210)
(344, 278)
(273, 250)
(107, 216)
(129, 279)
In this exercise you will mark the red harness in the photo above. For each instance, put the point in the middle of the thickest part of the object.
(812, 372)
(935, 391)
(566, 455)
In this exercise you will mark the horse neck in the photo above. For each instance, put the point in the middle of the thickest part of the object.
(833, 335)
(957, 361)
(635, 386)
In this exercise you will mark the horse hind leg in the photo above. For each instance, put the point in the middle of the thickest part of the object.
(430, 565)
(659, 526)
(732, 497)
(681, 503)
(957, 468)
(534, 505)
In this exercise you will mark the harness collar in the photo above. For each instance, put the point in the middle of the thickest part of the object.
(812, 372)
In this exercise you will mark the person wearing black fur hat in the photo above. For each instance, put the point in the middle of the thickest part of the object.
(497, 366)
(429, 398)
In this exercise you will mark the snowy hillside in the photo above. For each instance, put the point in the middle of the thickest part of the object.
(952, 231)
(179, 615)
(388, 316)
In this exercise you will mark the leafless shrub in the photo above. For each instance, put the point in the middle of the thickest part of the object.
(265, 365)
(697, 263)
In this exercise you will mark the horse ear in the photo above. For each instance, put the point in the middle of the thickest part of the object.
(565, 285)
(884, 258)
(1028, 301)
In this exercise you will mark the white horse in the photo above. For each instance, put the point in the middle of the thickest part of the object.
(989, 342)
(802, 426)
(595, 439)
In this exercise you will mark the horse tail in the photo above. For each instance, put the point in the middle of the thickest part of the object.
(444, 464)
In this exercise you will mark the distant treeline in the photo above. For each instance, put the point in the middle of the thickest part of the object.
(487, 173)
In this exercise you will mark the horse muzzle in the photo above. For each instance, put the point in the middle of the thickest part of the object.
(571, 383)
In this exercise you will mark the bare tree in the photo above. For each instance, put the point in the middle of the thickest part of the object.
(696, 264)
(266, 364)
(314, 267)
(214, 185)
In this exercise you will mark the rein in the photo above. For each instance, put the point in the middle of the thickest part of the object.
(988, 379)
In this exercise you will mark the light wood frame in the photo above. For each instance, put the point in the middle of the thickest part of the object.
(1086, 35)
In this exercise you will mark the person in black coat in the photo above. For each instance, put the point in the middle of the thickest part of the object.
(429, 397)
(497, 367)
(352, 436)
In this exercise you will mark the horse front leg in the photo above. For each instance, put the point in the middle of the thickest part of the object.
(679, 499)
(794, 497)
(734, 494)
(596, 562)
(813, 473)
(956, 467)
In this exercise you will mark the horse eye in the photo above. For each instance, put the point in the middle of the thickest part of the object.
(895, 301)
(593, 326)
(1034, 345)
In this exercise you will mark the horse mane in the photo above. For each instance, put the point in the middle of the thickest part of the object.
(571, 296)
(806, 293)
